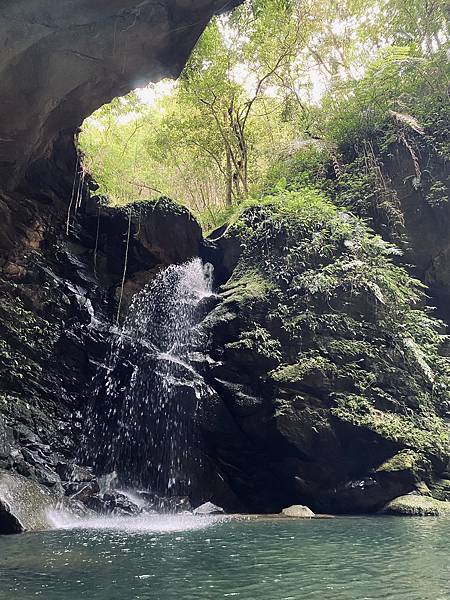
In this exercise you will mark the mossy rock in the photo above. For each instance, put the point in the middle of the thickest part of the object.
(414, 505)
(299, 511)
(406, 460)
(246, 285)
(440, 489)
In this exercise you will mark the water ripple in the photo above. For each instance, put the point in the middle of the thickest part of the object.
(379, 558)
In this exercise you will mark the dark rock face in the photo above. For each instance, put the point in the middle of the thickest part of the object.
(426, 213)
(61, 61)
(58, 300)
(161, 233)
(9, 523)
(289, 422)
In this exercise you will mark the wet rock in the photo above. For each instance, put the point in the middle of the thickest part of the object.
(73, 472)
(414, 505)
(95, 503)
(118, 504)
(26, 501)
(208, 508)
(299, 511)
(171, 504)
(6, 439)
(9, 523)
(174, 504)
(82, 490)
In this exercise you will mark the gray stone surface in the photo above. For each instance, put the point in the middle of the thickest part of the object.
(299, 511)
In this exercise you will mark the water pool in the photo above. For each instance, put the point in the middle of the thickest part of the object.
(178, 558)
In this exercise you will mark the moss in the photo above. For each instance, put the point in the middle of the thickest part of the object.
(422, 432)
(440, 489)
(258, 340)
(297, 372)
(246, 285)
(417, 506)
(406, 460)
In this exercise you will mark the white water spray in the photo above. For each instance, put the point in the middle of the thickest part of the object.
(142, 424)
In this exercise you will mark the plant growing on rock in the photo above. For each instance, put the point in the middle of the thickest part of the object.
(353, 340)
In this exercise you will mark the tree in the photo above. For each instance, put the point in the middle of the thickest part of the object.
(260, 80)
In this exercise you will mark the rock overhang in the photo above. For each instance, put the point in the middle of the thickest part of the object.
(60, 61)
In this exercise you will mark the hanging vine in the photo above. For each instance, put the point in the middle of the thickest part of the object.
(125, 265)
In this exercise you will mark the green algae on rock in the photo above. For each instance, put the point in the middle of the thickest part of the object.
(417, 506)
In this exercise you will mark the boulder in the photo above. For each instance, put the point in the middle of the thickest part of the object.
(413, 505)
(24, 504)
(9, 523)
(82, 490)
(299, 511)
(208, 508)
(119, 504)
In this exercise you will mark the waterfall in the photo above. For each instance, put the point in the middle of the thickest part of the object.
(142, 424)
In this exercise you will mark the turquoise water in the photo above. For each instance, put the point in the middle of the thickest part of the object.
(345, 558)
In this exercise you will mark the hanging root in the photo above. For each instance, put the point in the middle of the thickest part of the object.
(386, 199)
(125, 264)
(97, 234)
(415, 160)
(72, 197)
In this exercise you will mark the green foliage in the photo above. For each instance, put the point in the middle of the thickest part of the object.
(402, 99)
(307, 166)
(308, 364)
(347, 317)
(259, 340)
(268, 95)
(400, 82)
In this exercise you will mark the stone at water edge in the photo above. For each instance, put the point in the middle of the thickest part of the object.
(9, 523)
(26, 501)
(299, 511)
(413, 505)
(208, 508)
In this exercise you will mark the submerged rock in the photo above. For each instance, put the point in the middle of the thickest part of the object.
(299, 511)
(208, 508)
(414, 505)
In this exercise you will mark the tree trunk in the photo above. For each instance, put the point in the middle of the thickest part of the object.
(229, 180)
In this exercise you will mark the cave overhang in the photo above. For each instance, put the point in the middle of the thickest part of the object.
(60, 61)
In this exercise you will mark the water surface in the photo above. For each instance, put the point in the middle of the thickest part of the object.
(345, 558)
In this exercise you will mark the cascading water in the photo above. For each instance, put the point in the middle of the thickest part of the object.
(142, 422)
